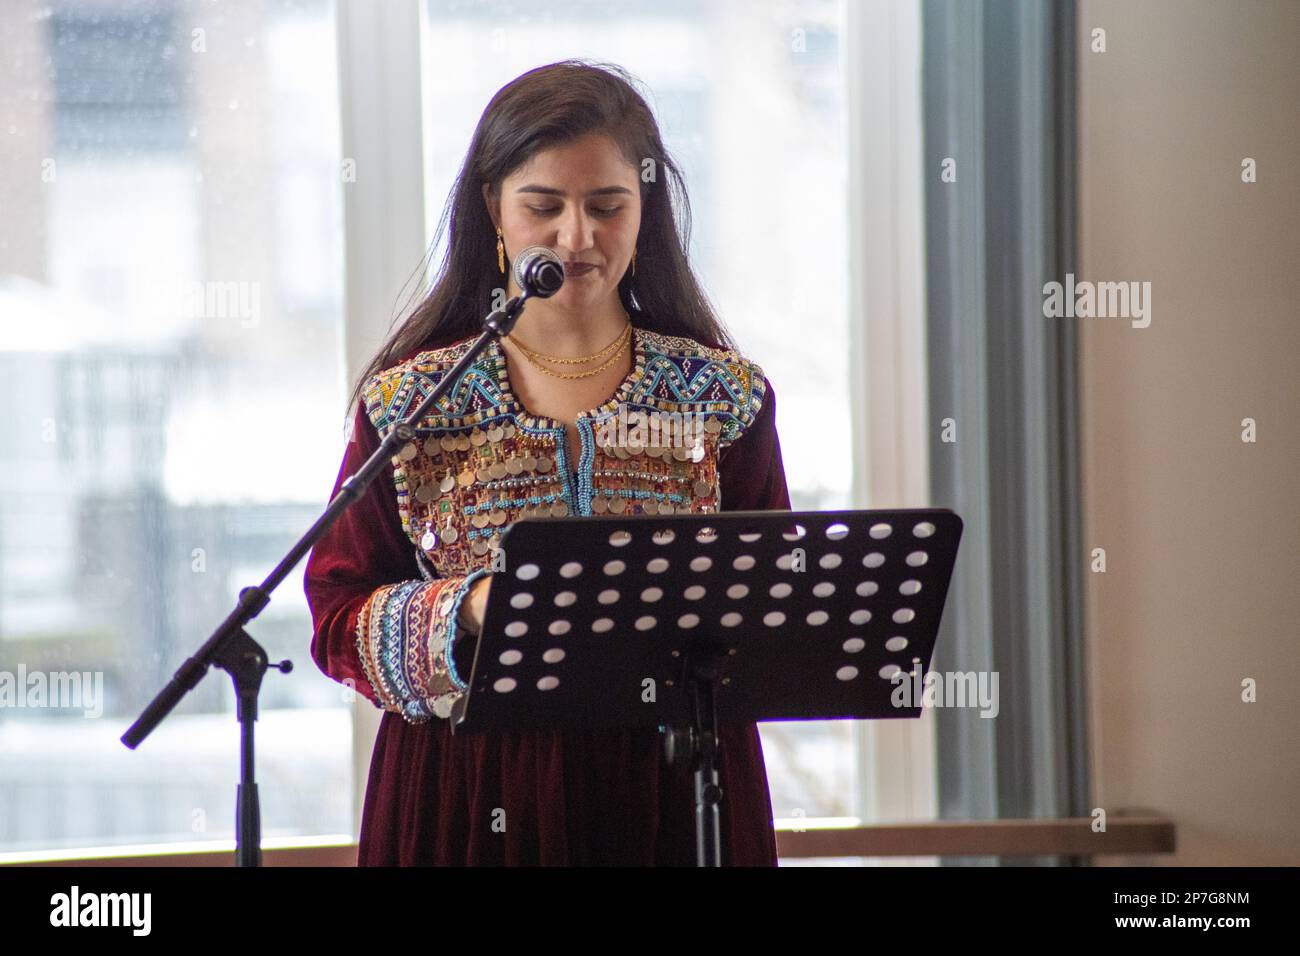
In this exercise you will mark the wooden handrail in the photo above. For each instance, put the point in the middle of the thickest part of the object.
(1071, 836)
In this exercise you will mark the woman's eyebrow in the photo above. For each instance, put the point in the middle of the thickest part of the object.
(550, 191)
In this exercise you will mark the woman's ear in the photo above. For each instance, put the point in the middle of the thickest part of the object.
(493, 205)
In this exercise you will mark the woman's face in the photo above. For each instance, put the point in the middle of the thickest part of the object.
(582, 200)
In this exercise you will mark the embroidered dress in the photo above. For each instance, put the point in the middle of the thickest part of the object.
(386, 582)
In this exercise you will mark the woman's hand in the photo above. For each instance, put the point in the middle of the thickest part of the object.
(474, 607)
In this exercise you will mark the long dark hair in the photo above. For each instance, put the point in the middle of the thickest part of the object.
(545, 107)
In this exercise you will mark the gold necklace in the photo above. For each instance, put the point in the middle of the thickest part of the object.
(572, 375)
(622, 336)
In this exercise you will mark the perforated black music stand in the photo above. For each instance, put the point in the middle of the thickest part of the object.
(676, 621)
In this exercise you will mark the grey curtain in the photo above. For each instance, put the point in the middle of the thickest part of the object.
(998, 89)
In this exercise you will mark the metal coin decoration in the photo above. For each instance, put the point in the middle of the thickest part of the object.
(449, 533)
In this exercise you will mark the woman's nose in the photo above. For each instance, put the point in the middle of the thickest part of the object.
(575, 232)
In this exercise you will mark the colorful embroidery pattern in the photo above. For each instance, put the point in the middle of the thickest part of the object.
(483, 461)
(405, 633)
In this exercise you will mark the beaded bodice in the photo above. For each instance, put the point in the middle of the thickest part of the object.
(483, 461)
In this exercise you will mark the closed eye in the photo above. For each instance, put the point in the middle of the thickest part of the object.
(597, 210)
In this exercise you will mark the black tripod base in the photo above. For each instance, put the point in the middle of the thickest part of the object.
(245, 661)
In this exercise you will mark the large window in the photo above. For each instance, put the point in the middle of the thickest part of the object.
(751, 101)
(170, 308)
(171, 314)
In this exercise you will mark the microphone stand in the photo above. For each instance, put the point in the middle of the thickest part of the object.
(233, 650)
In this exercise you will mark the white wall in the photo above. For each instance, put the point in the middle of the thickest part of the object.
(1201, 531)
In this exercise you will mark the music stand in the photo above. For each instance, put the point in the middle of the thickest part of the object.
(676, 621)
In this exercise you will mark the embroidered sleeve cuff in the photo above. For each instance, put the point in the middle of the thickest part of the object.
(405, 636)
(453, 623)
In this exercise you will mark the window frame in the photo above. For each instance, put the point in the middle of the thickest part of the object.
(381, 132)
(897, 776)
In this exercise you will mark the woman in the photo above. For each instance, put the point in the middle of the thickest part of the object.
(567, 156)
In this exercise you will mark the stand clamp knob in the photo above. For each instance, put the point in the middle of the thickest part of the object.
(679, 742)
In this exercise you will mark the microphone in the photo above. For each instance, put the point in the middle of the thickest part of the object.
(538, 272)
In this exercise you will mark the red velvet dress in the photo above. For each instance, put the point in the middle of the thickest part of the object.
(567, 797)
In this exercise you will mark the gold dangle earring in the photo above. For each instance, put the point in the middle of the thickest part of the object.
(634, 261)
(501, 252)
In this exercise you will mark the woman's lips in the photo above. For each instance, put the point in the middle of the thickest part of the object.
(577, 268)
